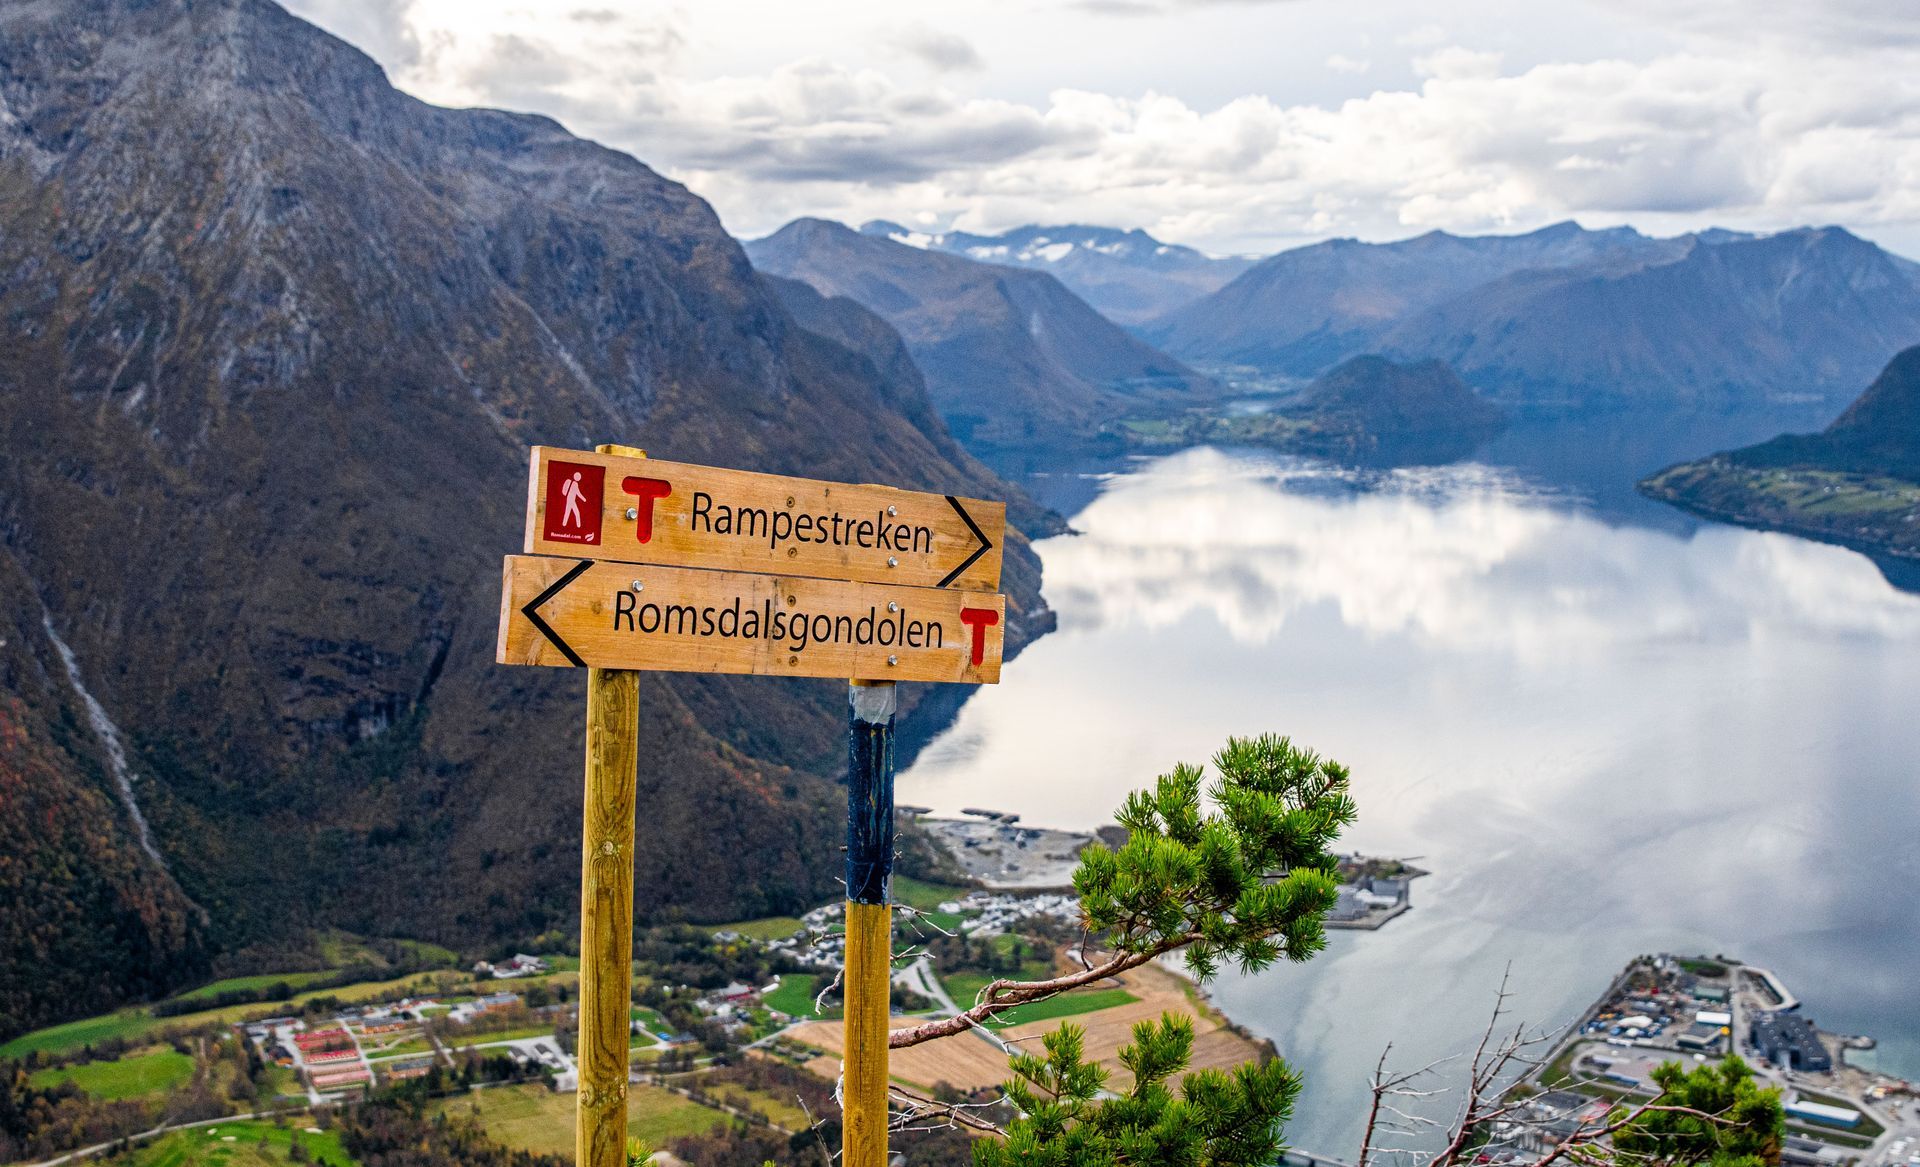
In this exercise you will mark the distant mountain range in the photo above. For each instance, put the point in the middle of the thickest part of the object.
(1563, 319)
(274, 340)
(1857, 482)
(1011, 357)
(1129, 276)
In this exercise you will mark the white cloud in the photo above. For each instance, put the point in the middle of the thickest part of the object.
(1453, 62)
(1724, 124)
(1425, 36)
(1341, 63)
(944, 52)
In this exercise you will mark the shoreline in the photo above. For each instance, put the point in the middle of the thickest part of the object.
(1693, 1009)
(1000, 854)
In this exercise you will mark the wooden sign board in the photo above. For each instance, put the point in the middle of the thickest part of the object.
(642, 510)
(574, 612)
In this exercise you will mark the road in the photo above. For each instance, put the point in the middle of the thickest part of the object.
(286, 1035)
(97, 1148)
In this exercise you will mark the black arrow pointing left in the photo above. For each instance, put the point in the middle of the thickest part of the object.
(531, 610)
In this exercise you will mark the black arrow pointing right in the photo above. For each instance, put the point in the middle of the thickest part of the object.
(531, 610)
(986, 544)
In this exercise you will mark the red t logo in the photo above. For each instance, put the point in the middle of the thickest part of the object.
(979, 619)
(645, 490)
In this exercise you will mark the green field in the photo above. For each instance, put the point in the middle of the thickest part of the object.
(133, 1024)
(255, 984)
(655, 1116)
(208, 1146)
(130, 1077)
(920, 927)
(533, 1118)
(1701, 966)
(413, 1047)
(765, 928)
(964, 988)
(1065, 1005)
(918, 893)
(782, 1112)
(280, 1080)
(651, 1025)
(127, 1024)
(340, 949)
(795, 995)
(462, 1041)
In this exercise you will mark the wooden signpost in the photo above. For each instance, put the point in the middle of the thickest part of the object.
(635, 564)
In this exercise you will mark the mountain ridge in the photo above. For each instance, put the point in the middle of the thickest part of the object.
(1126, 274)
(1563, 319)
(277, 339)
(1011, 357)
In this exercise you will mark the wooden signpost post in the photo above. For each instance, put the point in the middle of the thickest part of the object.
(636, 564)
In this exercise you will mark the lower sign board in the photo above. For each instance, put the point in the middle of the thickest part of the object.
(569, 612)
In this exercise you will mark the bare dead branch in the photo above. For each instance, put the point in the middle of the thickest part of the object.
(820, 998)
(920, 1107)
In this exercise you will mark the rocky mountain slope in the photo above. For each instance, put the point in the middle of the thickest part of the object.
(1011, 357)
(1128, 276)
(274, 338)
(1565, 320)
(1857, 482)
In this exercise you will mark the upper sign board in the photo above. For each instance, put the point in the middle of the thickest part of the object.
(569, 612)
(641, 510)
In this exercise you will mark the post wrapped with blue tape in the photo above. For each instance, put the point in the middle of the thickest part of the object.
(870, 792)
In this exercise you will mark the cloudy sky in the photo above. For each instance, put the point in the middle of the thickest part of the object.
(1231, 125)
